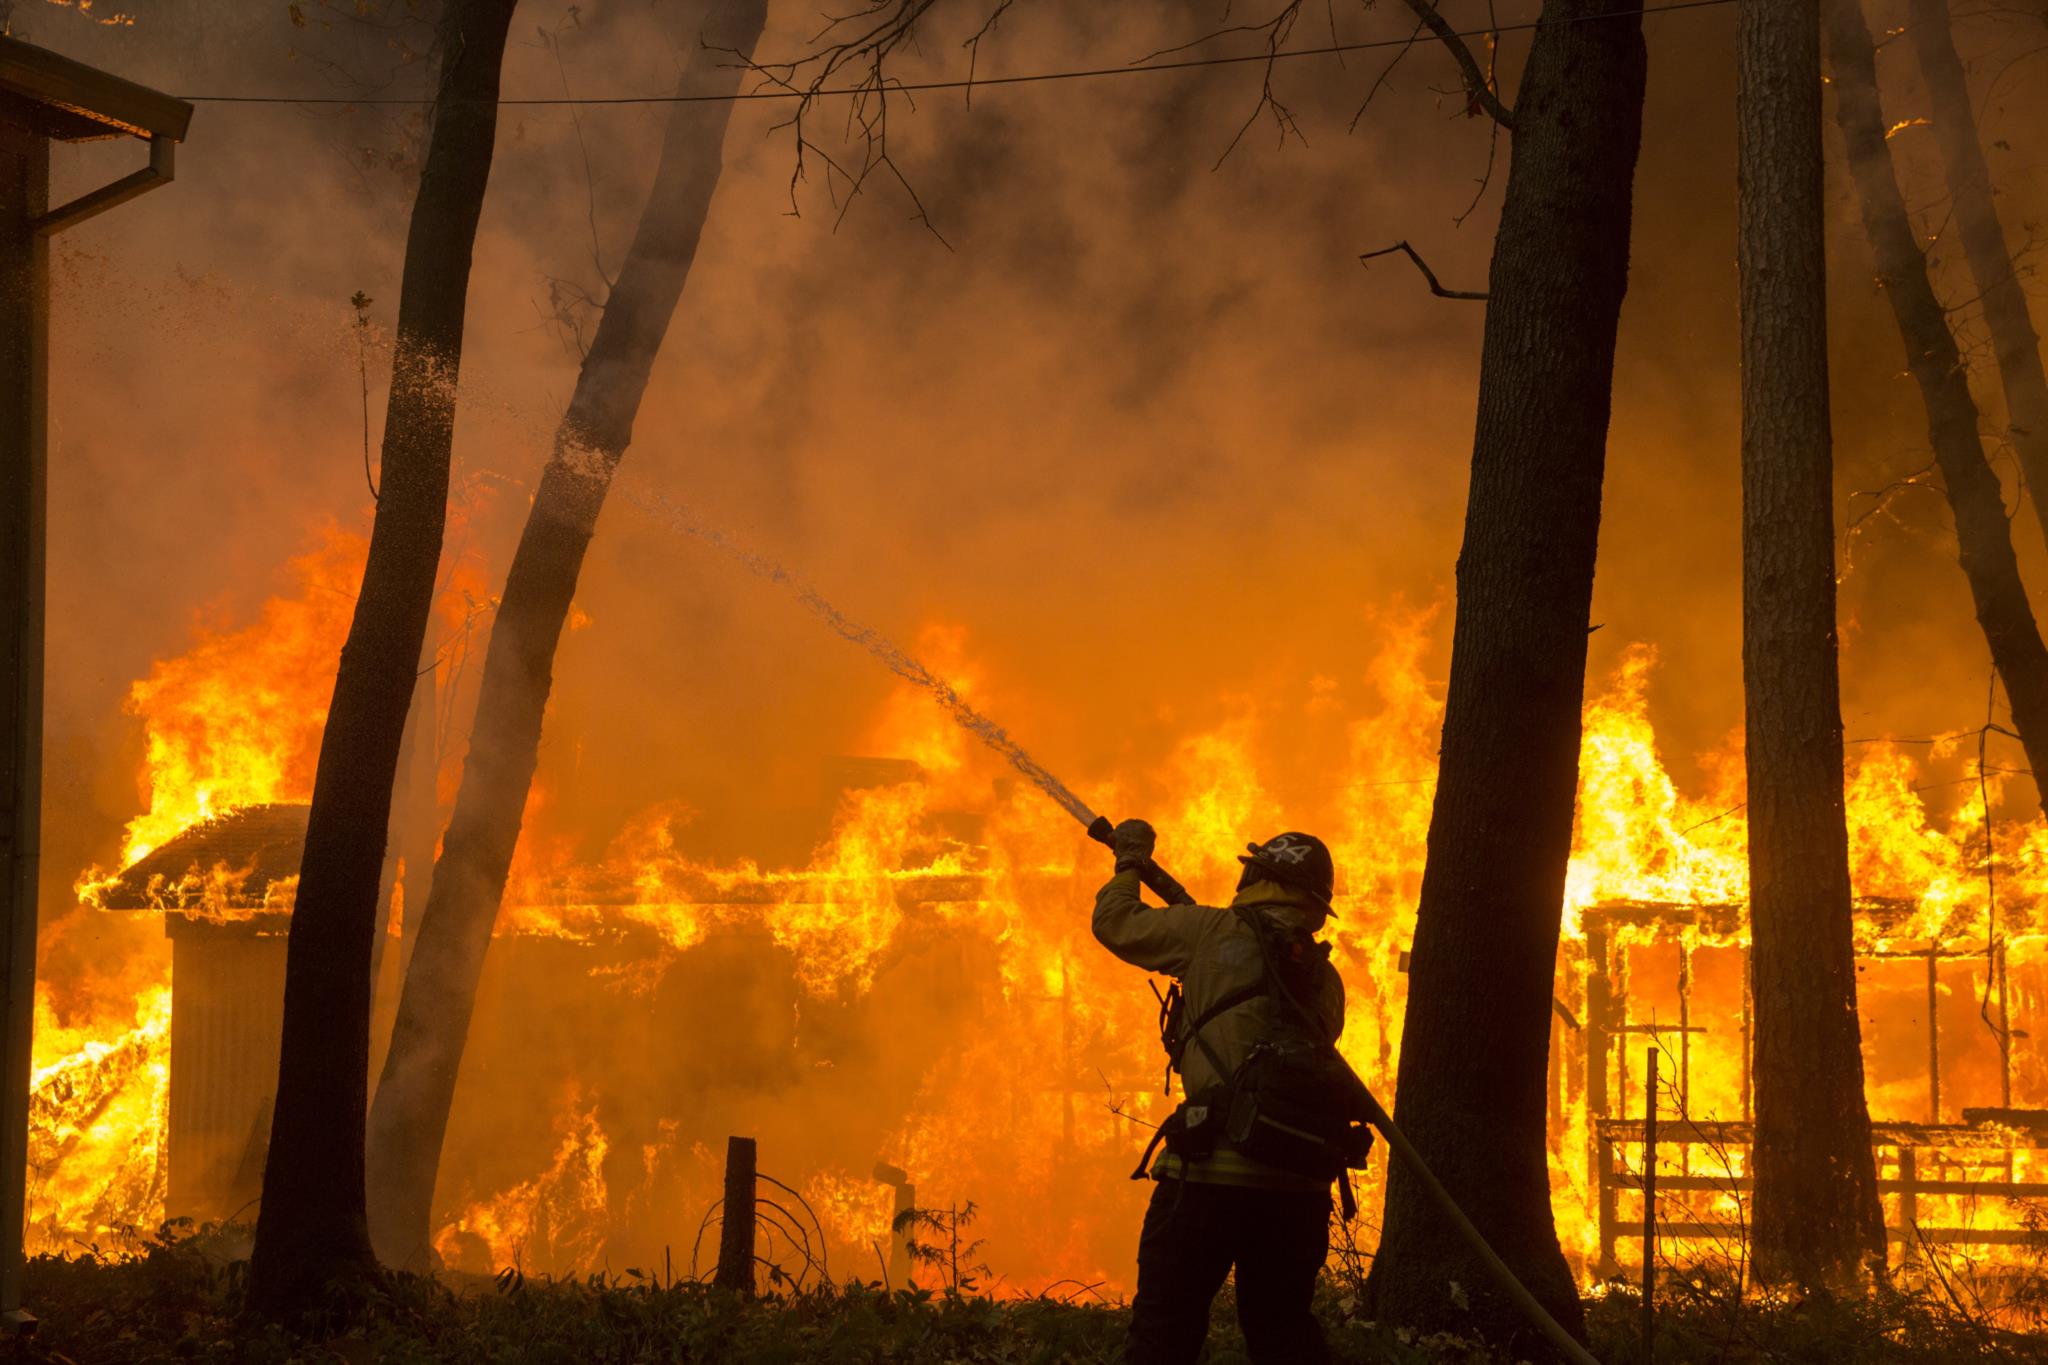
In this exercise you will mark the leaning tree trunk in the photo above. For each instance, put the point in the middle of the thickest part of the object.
(311, 1236)
(417, 1088)
(1471, 1082)
(2005, 303)
(1817, 1221)
(1983, 535)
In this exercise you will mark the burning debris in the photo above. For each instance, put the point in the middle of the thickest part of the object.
(99, 1130)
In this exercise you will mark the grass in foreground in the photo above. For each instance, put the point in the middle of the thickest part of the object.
(177, 1303)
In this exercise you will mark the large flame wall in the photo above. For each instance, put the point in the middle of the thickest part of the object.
(922, 989)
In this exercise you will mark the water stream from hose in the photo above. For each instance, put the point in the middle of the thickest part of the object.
(893, 657)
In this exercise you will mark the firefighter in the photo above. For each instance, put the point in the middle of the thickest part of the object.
(1254, 989)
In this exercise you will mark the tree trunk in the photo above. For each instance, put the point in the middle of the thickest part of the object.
(416, 738)
(1471, 1083)
(2005, 303)
(1983, 535)
(417, 826)
(1816, 1216)
(311, 1235)
(412, 819)
(415, 1092)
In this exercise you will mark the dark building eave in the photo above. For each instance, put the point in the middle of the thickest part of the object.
(73, 102)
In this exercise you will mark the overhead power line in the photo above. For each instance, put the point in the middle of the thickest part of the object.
(972, 82)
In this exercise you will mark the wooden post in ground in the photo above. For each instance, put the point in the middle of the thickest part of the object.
(1909, 1203)
(1650, 1211)
(897, 1179)
(900, 1269)
(736, 1231)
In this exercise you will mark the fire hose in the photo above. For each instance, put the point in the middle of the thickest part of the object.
(1163, 885)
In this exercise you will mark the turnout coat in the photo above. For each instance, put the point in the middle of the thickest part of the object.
(1212, 954)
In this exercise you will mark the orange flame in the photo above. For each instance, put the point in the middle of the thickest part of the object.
(236, 720)
(1033, 1110)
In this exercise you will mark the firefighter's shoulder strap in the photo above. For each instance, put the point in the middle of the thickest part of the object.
(1176, 1031)
(1176, 1034)
(1177, 1046)
(1317, 1028)
(1176, 1038)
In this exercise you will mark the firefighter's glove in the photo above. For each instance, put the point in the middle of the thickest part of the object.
(1133, 842)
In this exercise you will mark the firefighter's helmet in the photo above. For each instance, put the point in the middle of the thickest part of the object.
(1294, 859)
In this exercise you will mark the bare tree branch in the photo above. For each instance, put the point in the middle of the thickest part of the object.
(1880, 498)
(553, 42)
(1486, 177)
(1478, 86)
(973, 44)
(1275, 32)
(1435, 286)
(858, 44)
(1494, 127)
(1385, 72)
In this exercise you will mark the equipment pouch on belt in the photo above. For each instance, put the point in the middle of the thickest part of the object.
(1292, 1102)
(1198, 1125)
(1191, 1132)
(1286, 1111)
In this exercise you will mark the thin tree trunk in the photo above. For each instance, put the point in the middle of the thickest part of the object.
(419, 824)
(1983, 535)
(311, 1234)
(1991, 265)
(1817, 1220)
(1471, 1084)
(410, 814)
(414, 1095)
(413, 739)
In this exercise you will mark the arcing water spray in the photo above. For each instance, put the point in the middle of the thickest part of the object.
(906, 666)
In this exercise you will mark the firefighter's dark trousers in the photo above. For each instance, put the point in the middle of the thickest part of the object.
(1194, 1233)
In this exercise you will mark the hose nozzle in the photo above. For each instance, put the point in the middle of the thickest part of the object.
(1152, 874)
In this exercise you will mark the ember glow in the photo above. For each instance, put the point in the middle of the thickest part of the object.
(922, 990)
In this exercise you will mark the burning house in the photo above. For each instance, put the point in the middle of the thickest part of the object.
(1957, 1145)
(1959, 1123)
(586, 953)
(908, 985)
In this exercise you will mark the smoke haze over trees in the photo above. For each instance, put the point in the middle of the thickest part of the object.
(1241, 326)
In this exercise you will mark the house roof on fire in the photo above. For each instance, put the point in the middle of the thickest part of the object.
(227, 863)
(73, 102)
(243, 867)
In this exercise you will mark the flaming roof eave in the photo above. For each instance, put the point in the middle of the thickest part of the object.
(238, 868)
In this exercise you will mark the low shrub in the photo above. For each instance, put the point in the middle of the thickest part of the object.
(181, 1301)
